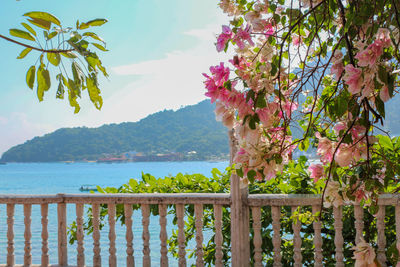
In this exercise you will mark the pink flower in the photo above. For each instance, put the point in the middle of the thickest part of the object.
(243, 35)
(383, 36)
(353, 79)
(344, 155)
(290, 107)
(297, 40)
(325, 148)
(269, 29)
(364, 255)
(241, 156)
(224, 115)
(340, 126)
(223, 38)
(317, 171)
(214, 84)
(266, 115)
(384, 94)
(361, 194)
(369, 56)
(337, 69)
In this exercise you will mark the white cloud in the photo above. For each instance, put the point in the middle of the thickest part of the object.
(19, 129)
(166, 83)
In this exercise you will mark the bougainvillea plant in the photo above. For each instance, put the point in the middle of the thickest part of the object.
(311, 73)
(322, 68)
(56, 46)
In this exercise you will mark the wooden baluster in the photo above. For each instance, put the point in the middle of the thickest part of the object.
(317, 238)
(27, 234)
(256, 212)
(112, 258)
(62, 234)
(130, 261)
(276, 240)
(359, 222)
(198, 210)
(162, 209)
(380, 225)
(180, 212)
(96, 235)
(10, 234)
(44, 210)
(80, 259)
(338, 225)
(397, 214)
(296, 226)
(146, 234)
(218, 236)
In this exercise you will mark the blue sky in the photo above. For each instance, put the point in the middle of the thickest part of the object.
(158, 50)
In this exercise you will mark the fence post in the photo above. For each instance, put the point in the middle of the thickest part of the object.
(62, 233)
(240, 235)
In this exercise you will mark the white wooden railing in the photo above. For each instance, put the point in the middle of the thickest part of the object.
(253, 203)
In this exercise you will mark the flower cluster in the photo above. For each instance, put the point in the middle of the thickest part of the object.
(278, 58)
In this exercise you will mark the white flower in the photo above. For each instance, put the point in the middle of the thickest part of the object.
(364, 254)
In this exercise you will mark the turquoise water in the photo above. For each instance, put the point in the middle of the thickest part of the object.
(52, 178)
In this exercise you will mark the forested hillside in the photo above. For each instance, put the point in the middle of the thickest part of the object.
(192, 128)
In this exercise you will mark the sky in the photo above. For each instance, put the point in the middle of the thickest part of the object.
(158, 51)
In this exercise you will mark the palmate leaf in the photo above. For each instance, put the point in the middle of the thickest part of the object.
(22, 34)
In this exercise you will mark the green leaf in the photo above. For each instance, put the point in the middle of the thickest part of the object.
(52, 35)
(261, 103)
(385, 141)
(250, 175)
(40, 23)
(54, 58)
(90, 23)
(30, 76)
(60, 90)
(341, 106)
(24, 53)
(22, 34)
(29, 28)
(228, 85)
(380, 106)
(43, 16)
(43, 78)
(68, 55)
(94, 36)
(99, 46)
(252, 123)
(94, 91)
(383, 74)
(77, 73)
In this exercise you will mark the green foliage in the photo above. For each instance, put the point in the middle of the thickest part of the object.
(294, 179)
(192, 128)
(72, 47)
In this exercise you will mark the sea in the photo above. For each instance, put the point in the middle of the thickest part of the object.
(53, 178)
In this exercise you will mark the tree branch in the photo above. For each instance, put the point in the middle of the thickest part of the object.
(35, 48)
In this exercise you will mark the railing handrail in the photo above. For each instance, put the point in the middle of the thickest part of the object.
(121, 198)
(254, 200)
